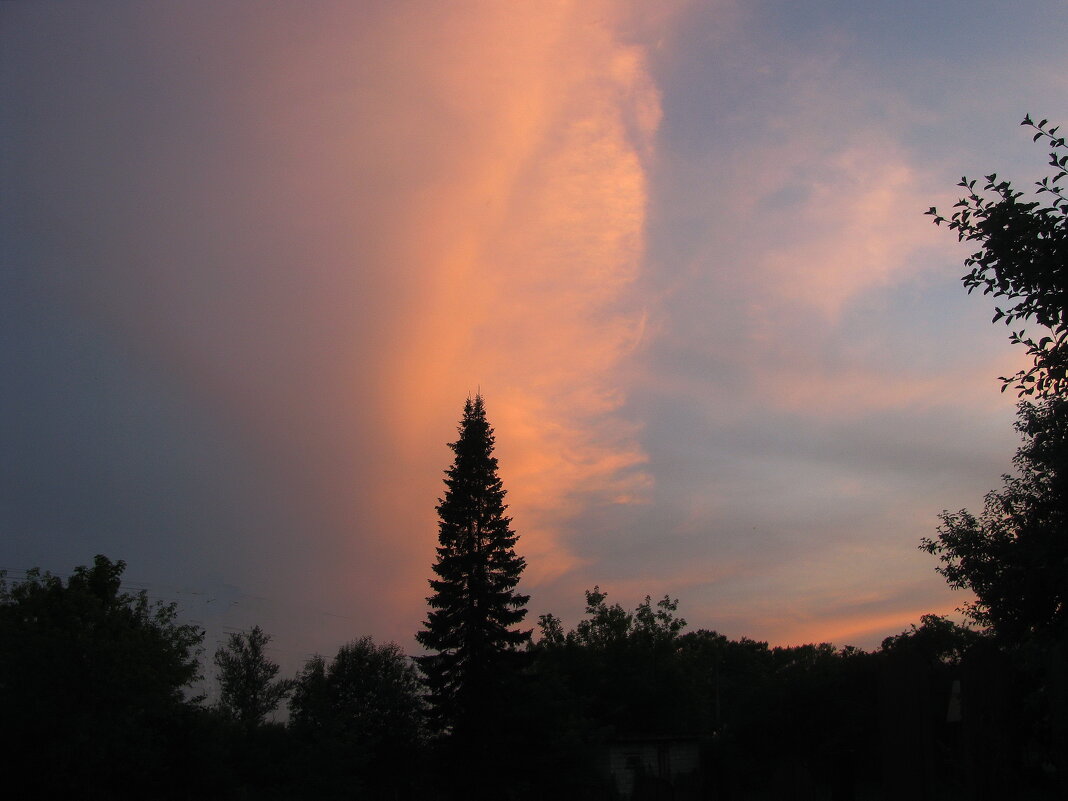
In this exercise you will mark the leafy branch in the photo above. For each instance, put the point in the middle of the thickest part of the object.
(1022, 259)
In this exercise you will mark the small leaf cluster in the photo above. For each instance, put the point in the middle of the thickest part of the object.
(1023, 259)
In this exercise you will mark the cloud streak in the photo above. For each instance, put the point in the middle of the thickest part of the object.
(530, 273)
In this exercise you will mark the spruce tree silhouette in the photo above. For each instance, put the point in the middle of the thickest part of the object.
(475, 605)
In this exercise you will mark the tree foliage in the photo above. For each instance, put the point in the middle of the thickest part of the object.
(1014, 554)
(87, 642)
(369, 693)
(621, 666)
(1023, 258)
(475, 606)
(92, 679)
(359, 719)
(608, 625)
(624, 676)
(936, 641)
(248, 688)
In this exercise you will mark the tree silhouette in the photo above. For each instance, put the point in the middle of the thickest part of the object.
(1013, 554)
(358, 720)
(249, 691)
(622, 664)
(475, 604)
(92, 683)
(1023, 258)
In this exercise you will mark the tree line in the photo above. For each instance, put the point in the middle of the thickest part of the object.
(95, 682)
(95, 690)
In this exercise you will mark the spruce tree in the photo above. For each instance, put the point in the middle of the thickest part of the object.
(475, 606)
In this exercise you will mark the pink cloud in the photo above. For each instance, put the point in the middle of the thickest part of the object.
(371, 213)
(528, 268)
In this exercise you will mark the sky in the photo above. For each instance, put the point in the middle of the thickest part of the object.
(256, 255)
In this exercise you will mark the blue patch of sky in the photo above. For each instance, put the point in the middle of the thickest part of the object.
(986, 61)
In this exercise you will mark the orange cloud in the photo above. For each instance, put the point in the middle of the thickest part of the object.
(869, 630)
(527, 255)
(856, 614)
(398, 207)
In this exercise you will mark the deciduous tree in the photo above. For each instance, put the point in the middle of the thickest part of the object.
(359, 721)
(93, 682)
(1023, 259)
(248, 688)
(1014, 554)
(623, 665)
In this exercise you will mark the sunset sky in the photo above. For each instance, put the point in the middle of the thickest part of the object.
(255, 255)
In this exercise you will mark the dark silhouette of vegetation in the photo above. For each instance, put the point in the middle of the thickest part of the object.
(248, 688)
(622, 664)
(937, 641)
(623, 705)
(1014, 554)
(474, 608)
(358, 721)
(765, 722)
(92, 683)
(1023, 258)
